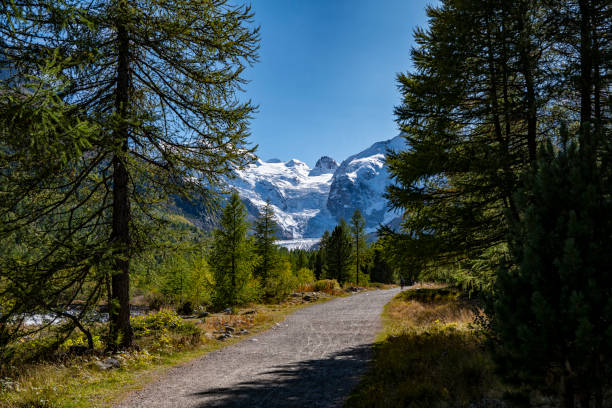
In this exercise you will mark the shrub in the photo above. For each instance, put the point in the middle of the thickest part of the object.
(304, 276)
(165, 319)
(326, 285)
(280, 283)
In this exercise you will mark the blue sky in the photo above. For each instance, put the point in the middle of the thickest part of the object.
(325, 83)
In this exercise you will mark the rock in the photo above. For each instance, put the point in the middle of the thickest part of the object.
(107, 363)
(294, 294)
(244, 331)
(248, 312)
(225, 336)
(228, 310)
(307, 298)
(209, 336)
(202, 315)
(229, 329)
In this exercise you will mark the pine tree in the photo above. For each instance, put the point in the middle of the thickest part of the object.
(339, 253)
(158, 79)
(358, 232)
(553, 303)
(232, 258)
(265, 238)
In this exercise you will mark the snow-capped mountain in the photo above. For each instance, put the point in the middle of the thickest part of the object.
(360, 182)
(309, 201)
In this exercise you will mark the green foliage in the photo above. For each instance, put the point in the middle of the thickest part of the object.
(111, 108)
(304, 276)
(165, 319)
(339, 254)
(265, 238)
(380, 270)
(232, 258)
(359, 243)
(280, 283)
(552, 309)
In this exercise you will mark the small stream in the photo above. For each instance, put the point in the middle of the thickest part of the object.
(101, 315)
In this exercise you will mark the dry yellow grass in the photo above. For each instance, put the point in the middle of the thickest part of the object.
(430, 354)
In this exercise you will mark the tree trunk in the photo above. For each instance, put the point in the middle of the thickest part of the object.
(121, 330)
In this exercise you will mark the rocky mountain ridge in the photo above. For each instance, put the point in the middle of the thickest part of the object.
(309, 201)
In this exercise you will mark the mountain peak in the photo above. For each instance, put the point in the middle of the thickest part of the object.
(325, 165)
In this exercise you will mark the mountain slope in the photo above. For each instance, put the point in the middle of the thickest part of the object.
(309, 201)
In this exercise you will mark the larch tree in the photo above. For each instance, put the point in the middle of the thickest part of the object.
(159, 81)
(265, 238)
(232, 258)
(479, 101)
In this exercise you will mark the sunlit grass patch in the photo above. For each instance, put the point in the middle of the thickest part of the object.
(430, 354)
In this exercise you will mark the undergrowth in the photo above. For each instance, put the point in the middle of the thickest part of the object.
(163, 340)
(430, 354)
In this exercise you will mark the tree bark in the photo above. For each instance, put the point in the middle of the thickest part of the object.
(121, 330)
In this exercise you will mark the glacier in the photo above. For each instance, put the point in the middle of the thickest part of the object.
(309, 201)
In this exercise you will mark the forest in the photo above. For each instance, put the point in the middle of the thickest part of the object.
(112, 110)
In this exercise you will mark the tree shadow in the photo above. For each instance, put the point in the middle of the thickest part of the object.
(311, 383)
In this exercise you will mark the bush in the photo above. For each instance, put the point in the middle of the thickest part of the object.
(326, 285)
(165, 319)
(280, 283)
(304, 276)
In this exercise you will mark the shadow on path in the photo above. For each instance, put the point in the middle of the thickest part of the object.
(309, 383)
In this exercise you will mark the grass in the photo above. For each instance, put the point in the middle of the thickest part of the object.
(78, 382)
(430, 354)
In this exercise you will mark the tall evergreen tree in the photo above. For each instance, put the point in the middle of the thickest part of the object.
(339, 252)
(359, 243)
(232, 258)
(265, 238)
(320, 266)
(380, 270)
(159, 80)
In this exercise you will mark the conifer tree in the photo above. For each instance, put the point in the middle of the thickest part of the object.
(320, 266)
(232, 258)
(339, 252)
(265, 238)
(380, 270)
(552, 308)
(158, 79)
(470, 115)
(359, 244)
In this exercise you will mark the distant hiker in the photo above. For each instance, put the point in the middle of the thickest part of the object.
(402, 282)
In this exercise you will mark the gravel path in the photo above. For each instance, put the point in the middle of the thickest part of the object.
(312, 359)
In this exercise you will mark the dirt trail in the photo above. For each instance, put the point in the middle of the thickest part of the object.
(312, 359)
